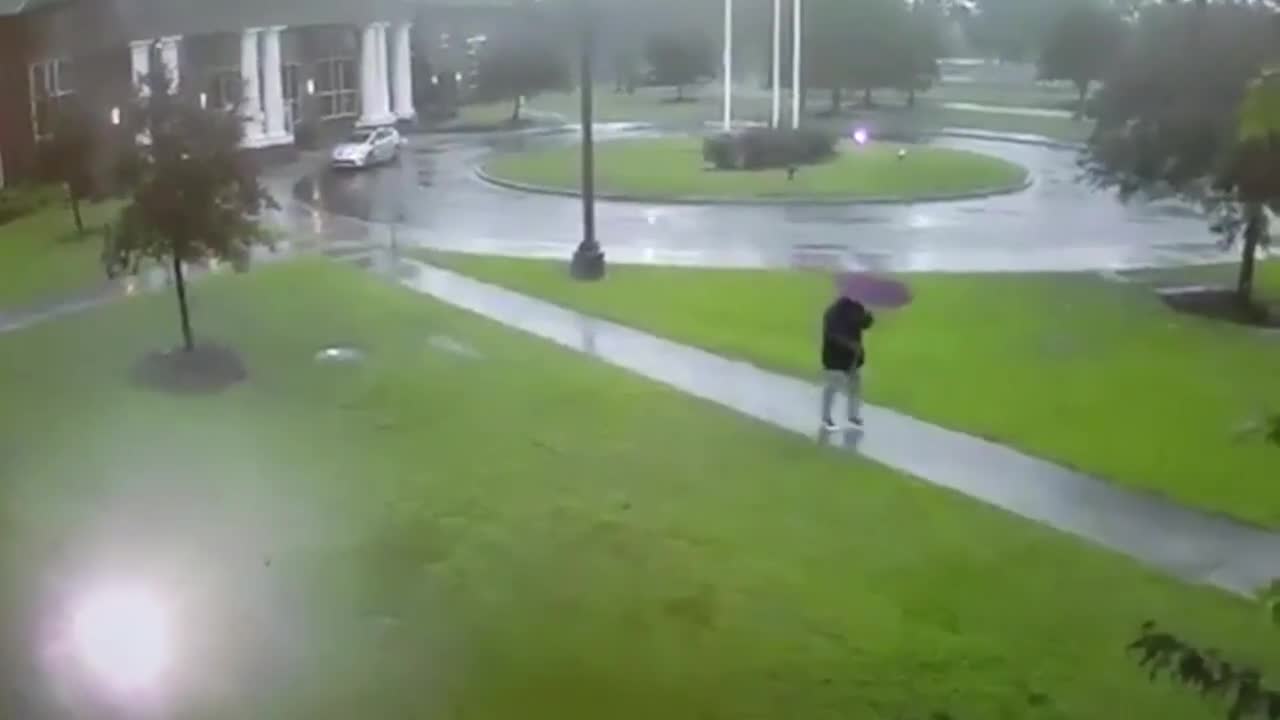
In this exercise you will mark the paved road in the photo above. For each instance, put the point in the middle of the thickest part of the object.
(1057, 224)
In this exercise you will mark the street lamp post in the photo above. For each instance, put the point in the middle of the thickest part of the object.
(728, 65)
(797, 36)
(775, 114)
(588, 259)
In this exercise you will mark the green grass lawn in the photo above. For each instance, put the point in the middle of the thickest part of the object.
(674, 167)
(41, 258)
(436, 535)
(1092, 374)
(478, 117)
(1266, 281)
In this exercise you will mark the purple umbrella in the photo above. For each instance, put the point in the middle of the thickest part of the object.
(873, 290)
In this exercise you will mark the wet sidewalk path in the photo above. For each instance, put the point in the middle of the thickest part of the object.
(1188, 544)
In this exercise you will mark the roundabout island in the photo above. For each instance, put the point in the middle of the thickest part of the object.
(672, 169)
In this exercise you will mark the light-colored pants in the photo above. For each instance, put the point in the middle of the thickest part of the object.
(850, 384)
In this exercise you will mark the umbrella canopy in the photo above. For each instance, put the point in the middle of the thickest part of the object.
(873, 290)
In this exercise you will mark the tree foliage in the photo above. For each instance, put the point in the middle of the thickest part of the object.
(1163, 655)
(1011, 29)
(513, 70)
(870, 44)
(68, 156)
(1169, 118)
(679, 58)
(1083, 44)
(197, 194)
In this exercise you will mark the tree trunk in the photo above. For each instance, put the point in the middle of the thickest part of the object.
(679, 93)
(1255, 226)
(911, 98)
(867, 100)
(75, 211)
(515, 110)
(837, 99)
(180, 283)
(1083, 87)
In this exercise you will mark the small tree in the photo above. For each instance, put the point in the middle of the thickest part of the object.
(197, 194)
(516, 70)
(1173, 118)
(679, 58)
(67, 157)
(1082, 45)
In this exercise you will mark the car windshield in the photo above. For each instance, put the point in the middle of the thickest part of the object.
(361, 136)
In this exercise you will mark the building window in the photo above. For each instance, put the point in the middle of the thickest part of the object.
(225, 89)
(290, 78)
(51, 81)
(336, 88)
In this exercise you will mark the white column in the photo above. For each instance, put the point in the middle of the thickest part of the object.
(384, 77)
(375, 108)
(368, 72)
(251, 99)
(797, 36)
(140, 65)
(728, 65)
(171, 60)
(273, 88)
(402, 59)
(775, 115)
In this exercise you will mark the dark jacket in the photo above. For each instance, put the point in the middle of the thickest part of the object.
(842, 328)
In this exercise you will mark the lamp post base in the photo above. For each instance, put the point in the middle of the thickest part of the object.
(587, 263)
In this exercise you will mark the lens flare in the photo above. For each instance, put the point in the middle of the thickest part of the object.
(122, 635)
(861, 136)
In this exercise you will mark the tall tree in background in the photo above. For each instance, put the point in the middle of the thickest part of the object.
(1169, 118)
(829, 56)
(1082, 45)
(884, 47)
(679, 58)
(926, 29)
(517, 69)
(197, 195)
(1011, 29)
(68, 156)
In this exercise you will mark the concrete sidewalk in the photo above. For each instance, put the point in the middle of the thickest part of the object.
(1189, 544)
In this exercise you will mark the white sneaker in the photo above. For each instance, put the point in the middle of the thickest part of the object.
(830, 425)
(855, 421)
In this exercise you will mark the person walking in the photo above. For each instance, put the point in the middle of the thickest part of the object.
(843, 356)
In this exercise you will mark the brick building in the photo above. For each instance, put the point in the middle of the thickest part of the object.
(296, 69)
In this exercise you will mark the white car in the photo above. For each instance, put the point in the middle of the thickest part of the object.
(367, 146)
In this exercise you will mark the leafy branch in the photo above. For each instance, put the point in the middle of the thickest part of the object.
(1164, 655)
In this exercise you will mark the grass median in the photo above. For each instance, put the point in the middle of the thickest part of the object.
(42, 258)
(673, 168)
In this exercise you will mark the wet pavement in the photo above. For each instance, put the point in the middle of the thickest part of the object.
(1187, 544)
(1058, 224)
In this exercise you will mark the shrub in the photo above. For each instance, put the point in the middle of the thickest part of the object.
(760, 148)
(15, 202)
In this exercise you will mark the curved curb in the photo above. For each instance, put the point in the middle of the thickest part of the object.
(1012, 138)
(1027, 181)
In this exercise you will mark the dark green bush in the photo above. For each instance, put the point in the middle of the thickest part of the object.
(20, 200)
(760, 148)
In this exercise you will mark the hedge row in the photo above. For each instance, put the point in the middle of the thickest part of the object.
(760, 148)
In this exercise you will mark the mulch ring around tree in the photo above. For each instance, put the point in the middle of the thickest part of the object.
(206, 370)
(1216, 303)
